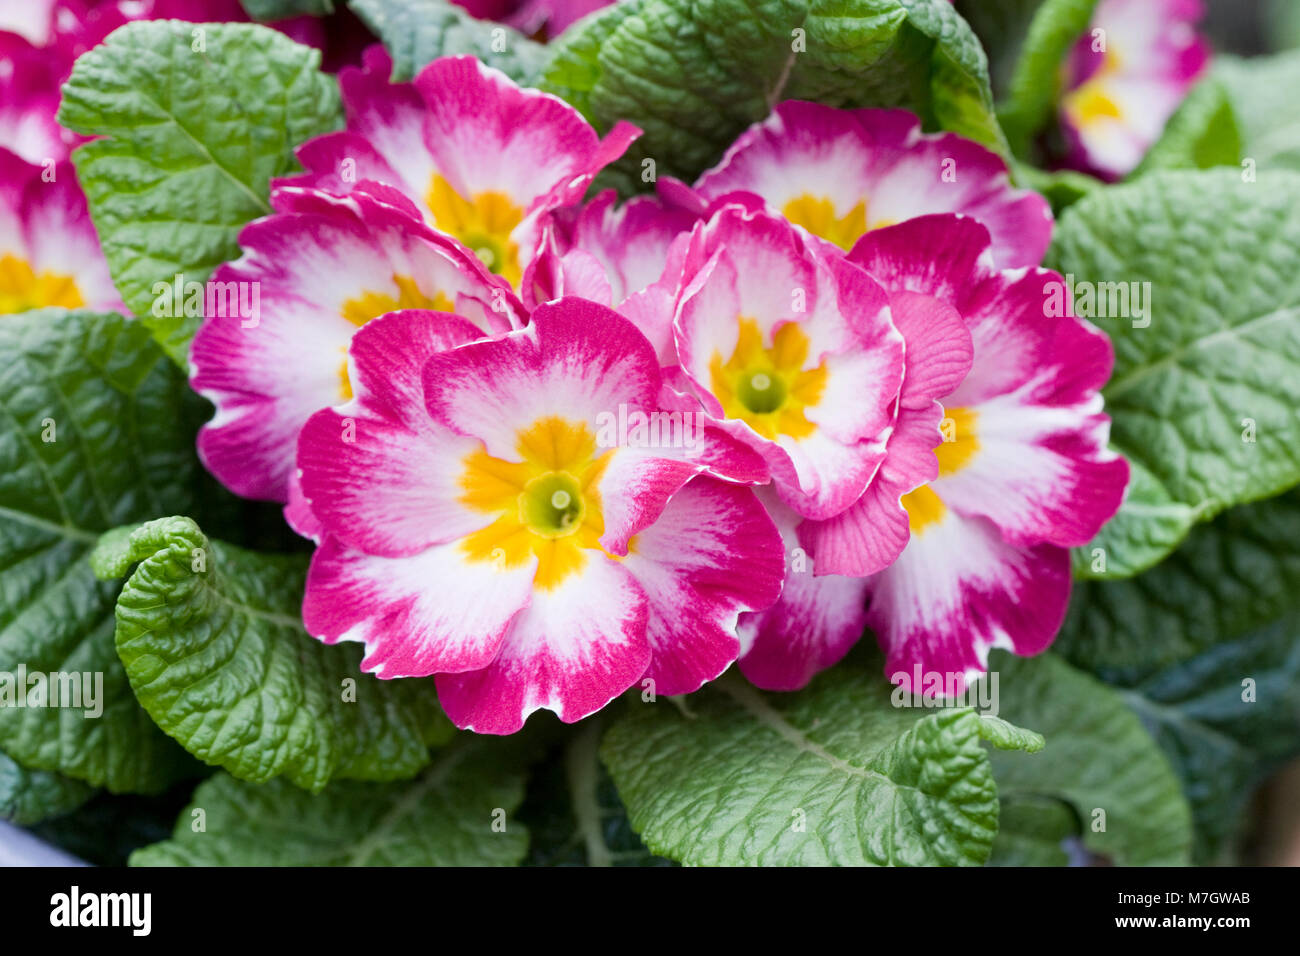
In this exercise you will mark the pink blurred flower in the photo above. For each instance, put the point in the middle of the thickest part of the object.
(1126, 77)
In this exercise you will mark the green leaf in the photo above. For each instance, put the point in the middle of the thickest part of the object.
(667, 67)
(212, 640)
(1140, 538)
(268, 11)
(1202, 133)
(1035, 86)
(1034, 831)
(1182, 638)
(1007, 736)
(574, 814)
(94, 434)
(1215, 361)
(30, 796)
(834, 774)
(1229, 578)
(450, 815)
(1282, 21)
(1226, 719)
(1001, 28)
(1098, 757)
(1063, 188)
(190, 140)
(1262, 91)
(417, 32)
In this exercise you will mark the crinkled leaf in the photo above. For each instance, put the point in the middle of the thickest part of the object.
(417, 32)
(189, 142)
(1217, 363)
(1207, 649)
(1035, 85)
(1262, 91)
(834, 774)
(458, 812)
(214, 647)
(29, 796)
(1202, 133)
(1098, 758)
(694, 73)
(93, 435)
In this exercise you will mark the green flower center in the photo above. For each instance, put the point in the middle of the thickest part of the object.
(489, 251)
(551, 505)
(761, 392)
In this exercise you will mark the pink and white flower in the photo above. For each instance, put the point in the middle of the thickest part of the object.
(551, 17)
(822, 609)
(841, 173)
(814, 623)
(628, 256)
(1018, 473)
(482, 159)
(792, 350)
(477, 526)
(29, 101)
(33, 20)
(322, 266)
(606, 251)
(1126, 77)
(1024, 468)
(49, 251)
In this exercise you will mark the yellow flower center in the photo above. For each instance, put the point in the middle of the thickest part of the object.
(547, 505)
(923, 507)
(817, 215)
(405, 294)
(1090, 103)
(483, 223)
(960, 443)
(22, 289)
(767, 387)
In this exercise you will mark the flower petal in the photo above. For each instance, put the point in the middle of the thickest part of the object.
(319, 268)
(712, 555)
(871, 533)
(486, 134)
(841, 173)
(432, 612)
(572, 650)
(377, 474)
(759, 302)
(959, 589)
(810, 628)
(49, 241)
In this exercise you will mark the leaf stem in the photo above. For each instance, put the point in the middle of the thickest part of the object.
(582, 771)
